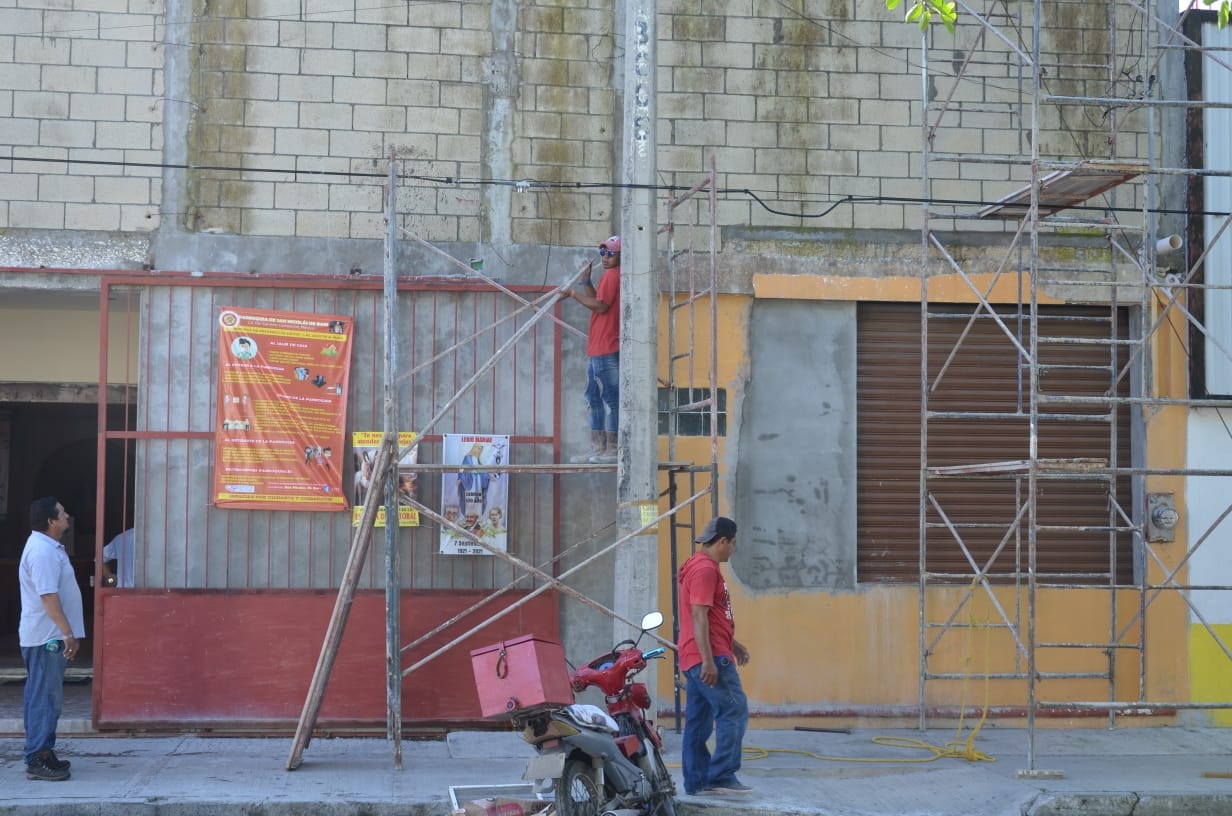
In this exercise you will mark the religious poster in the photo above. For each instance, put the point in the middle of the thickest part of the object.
(475, 501)
(282, 395)
(364, 447)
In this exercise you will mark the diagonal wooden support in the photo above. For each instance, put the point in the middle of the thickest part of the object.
(361, 539)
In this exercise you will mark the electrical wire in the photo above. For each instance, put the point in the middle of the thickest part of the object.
(529, 185)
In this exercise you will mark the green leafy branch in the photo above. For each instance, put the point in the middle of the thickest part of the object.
(1225, 11)
(922, 12)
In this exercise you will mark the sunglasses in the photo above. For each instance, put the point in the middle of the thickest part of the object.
(604, 252)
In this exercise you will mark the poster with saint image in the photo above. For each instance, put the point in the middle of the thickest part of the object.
(475, 502)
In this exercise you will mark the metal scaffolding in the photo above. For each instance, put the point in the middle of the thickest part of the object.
(689, 289)
(691, 293)
(1090, 109)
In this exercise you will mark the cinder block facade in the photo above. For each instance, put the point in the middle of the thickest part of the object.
(271, 119)
(252, 139)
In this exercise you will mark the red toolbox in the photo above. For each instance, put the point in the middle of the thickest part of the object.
(519, 675)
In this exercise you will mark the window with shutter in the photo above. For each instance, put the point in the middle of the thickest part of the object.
(984, 375)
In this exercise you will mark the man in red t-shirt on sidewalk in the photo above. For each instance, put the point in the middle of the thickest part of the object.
(603, 351)
(709, 653)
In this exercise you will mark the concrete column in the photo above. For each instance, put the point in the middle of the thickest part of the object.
(177, 110)
(500, 102)
(636, 579)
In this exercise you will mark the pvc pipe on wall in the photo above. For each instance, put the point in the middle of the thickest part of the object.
(1165, 245)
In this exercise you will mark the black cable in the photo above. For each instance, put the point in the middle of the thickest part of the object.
(528, 185)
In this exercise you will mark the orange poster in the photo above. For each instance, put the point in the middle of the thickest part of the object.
(282, 395)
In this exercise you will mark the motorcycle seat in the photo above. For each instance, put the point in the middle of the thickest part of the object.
(593, 717)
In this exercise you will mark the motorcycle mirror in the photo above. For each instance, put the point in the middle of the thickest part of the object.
(652, 620)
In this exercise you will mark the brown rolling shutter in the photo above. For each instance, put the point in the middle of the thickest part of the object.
(984, 375)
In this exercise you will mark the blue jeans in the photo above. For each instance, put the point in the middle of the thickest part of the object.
(722, 708)
(603, 392)
(44, 697)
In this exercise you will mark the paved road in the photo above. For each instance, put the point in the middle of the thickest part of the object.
(1127, 772)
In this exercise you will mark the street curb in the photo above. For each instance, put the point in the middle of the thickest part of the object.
(14, 728)
(1092, 804)
(1129, 804)
(118, 807)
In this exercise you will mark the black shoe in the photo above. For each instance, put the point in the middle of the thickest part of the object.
(52, 761)
(38, 768)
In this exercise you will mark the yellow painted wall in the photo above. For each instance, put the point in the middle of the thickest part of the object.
(61, 346)
(1206, 674)
(860, 649)
(1166, 427)
(1211, 669)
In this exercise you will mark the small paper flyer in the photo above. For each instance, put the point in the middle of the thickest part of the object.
(365, 445)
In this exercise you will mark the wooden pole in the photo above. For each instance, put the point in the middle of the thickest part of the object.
(393, 595)
(342, 609)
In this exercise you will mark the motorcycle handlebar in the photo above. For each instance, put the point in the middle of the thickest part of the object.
(611, 671)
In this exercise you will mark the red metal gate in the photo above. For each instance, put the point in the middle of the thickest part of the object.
(229, 607)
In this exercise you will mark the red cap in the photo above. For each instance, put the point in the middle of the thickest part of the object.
(612, 243)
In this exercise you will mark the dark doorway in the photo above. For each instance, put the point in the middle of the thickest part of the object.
(53, 450)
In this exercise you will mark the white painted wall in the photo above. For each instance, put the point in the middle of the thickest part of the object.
(1217, 86)
(1209, 446)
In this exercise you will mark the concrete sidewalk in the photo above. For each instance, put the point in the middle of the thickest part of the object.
(1129, 772)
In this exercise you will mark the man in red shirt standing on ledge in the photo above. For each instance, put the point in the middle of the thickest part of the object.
(603, 351)
(709, 653)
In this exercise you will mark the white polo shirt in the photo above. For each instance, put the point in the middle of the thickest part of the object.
(46, 570)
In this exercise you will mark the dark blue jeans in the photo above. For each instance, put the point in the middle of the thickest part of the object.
(44, 697)
(723, 709)
(603, 392)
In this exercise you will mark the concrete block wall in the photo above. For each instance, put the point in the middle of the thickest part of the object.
(81, 82)
(458, 91)
(284, 114)
(836, 107)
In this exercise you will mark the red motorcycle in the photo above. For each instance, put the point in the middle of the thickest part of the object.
(605, 763)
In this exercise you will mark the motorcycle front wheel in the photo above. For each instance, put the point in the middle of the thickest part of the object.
(664, 786)
(576, 792)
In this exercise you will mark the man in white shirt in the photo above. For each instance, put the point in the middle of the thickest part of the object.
(119, 550)
(52, 625)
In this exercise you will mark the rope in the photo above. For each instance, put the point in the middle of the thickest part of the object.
(954, 749)
(958, 748)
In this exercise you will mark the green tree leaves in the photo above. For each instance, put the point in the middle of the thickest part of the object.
(922, 12)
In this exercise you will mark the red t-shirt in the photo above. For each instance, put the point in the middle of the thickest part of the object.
(604, 337)
(701, 582)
